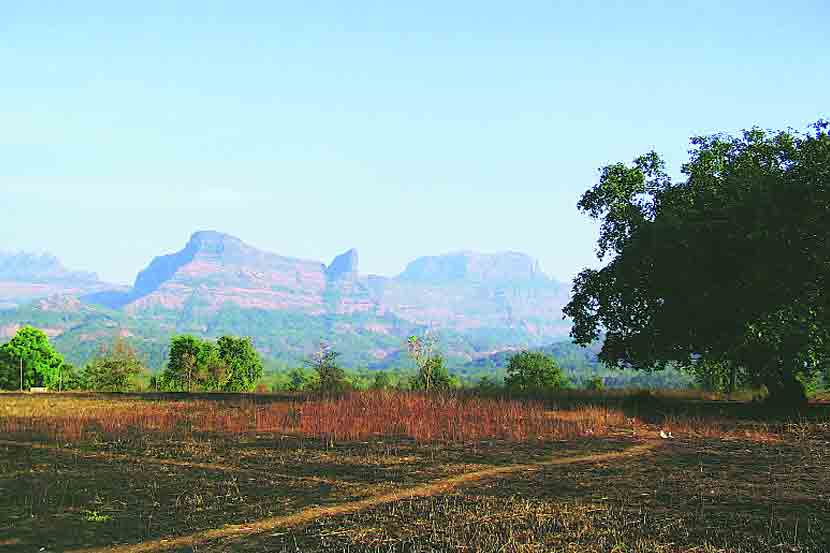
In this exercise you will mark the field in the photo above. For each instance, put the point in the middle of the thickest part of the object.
(408, 472)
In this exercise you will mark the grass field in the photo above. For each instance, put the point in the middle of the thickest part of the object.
(408, 472)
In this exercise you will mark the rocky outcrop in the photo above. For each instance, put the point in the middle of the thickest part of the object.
(344, 267)
(462, 291)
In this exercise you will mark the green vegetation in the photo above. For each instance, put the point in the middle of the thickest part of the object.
(230, 364)
(432, 375)
(725, 272)
(533, 371)
(330, 377)
(30, 353)
(115, 369)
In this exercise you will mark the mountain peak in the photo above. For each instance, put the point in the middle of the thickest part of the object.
(344, 266)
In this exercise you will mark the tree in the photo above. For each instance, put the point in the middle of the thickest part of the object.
(9, 371)
(31, 350)
(728, 267)
(431, 371)
(381, 381)
(188, 362)
(533, 371)
(242, 362)
(297, 380)
(595, 384)
(114, 369)
(331, 378)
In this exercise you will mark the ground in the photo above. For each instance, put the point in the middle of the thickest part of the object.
(621, 489)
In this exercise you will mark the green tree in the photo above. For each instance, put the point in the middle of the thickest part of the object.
(487, 384)
(730, 265)
(9, 371)
(381, 381)
(114, 369)
(595, 384)
(190, 362)
(297, 380)
(432, 374)
(330, 377)
(40, 362)
(533, 371)
(241, 361)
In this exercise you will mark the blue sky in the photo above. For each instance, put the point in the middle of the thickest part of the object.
(402, 129)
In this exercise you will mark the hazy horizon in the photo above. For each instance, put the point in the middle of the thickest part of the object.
(402, 131)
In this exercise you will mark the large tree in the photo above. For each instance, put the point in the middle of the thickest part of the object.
(727, 267)
(31, 350)
(242, 362)
(188, 362)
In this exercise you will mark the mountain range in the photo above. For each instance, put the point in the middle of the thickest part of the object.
(478, 304)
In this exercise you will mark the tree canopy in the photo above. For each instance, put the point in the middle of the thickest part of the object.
(230, 364)
(533, 371)
(727, 267)
(41, 363)
(242, 362)
(114, 369)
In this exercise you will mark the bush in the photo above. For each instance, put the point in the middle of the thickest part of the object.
(533, 371)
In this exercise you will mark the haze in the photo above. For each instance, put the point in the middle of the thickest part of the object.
(402, 131)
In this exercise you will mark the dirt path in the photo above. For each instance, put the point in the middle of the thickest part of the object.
(169, 462)
(308, 515)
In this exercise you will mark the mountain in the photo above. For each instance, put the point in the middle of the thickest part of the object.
(478, 303)
(27, 276)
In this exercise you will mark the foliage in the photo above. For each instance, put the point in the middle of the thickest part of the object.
(9, 371)
(595, 384)
(114, 369)
(330, 377)
(194, 363)
(488, 384)
(432, 374)
(533, 371)
(728, 266)
(381, 381)
(41, 362)
(230, 364)
(242, 361)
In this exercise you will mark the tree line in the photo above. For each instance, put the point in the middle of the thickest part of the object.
(232, 364)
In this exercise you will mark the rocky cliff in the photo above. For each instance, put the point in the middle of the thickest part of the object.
(458, 291)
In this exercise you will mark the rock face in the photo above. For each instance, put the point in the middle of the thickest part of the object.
(25, 277)
(460, 291)
(344, 267)
(214, 269)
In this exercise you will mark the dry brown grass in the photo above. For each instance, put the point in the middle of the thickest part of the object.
(357, 416)
(404, 472)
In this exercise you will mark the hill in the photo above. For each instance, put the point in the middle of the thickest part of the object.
(478, 303)
(28, 276)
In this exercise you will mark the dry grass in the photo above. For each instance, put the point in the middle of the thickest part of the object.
(107, 470)
(357, 416)
(361, 416)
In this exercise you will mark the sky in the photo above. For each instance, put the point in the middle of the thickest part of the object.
(400, 128)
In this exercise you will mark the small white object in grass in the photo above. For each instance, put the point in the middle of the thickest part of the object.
(666, 436)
